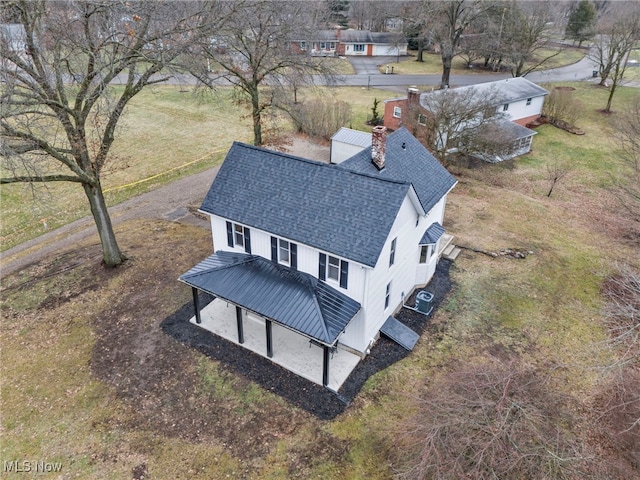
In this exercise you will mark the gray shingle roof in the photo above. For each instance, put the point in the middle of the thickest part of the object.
(294, 299)
(506, 91)
(413, 164)
(352, 137)
(347, 214)
(365, 36)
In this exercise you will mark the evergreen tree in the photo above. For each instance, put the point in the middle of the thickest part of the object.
(582, 22)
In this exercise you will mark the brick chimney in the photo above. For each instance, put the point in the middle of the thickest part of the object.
(378, 145)
(413, 97)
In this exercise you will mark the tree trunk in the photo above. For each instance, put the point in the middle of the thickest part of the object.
(610, 99)
(446, 70)
(111, 254)
(257, 121)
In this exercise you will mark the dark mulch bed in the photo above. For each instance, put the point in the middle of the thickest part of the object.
(315, 399)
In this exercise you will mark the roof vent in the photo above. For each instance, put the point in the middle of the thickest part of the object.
(404, 146)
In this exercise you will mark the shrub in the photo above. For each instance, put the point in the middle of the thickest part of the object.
(321, 119)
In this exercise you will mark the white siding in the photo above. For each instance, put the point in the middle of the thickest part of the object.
(308, 257)
(365, 285)
(520, 109)
(389, 50)
(340, 151)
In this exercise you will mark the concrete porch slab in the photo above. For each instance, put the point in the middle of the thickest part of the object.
(290, 349)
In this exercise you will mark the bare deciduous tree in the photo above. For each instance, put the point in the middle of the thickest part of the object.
(626, 129)
(447, 20)
(556, 171)
(258, 52)
(526, 32)
(59, 107)
(622, 314)
(618, 32)
(488, 420)
(616, 404)
(464, 121)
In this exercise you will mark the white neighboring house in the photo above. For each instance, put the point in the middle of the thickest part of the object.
(372, 44)
(518, 100)
(329, 252)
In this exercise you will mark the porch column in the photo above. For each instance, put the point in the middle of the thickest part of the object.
(325, 366)
(269, 339)
(196, 305)
(239, 321)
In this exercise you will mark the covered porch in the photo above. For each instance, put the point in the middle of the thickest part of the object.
(288, 316)
(290, 350)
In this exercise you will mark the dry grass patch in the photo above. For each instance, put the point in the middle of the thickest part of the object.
(91, 381)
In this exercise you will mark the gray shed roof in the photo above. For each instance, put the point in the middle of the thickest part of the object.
(348, 214)
(432, 234)
(507, 91)
(352, 137)
(291, 298)
(407, 160)
(365, 36)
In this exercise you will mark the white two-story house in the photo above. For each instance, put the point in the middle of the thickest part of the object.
(318, 252)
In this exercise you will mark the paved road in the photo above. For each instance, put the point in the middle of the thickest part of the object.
(367, 74)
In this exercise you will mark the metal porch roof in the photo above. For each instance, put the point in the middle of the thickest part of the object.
(291, 298)
(432, 234)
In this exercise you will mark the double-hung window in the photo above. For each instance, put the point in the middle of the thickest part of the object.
(397, 112)
(392, 254)
(284, 252)
(333, 269)
(426, 252)
(358, 47)
(387, 296)
(239, 236)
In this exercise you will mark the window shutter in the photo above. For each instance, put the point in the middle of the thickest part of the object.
(274, 249)
(294, 256)
(230, 234)
(247, 240)
(344, 272)
(322, 268)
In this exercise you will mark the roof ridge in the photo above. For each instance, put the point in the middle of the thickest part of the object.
(320, 164)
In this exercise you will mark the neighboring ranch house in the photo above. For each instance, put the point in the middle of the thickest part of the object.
(319, 255)
(354, 42)
(518, 99)
(372, 44)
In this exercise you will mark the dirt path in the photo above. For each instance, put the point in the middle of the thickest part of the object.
(169, 202)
